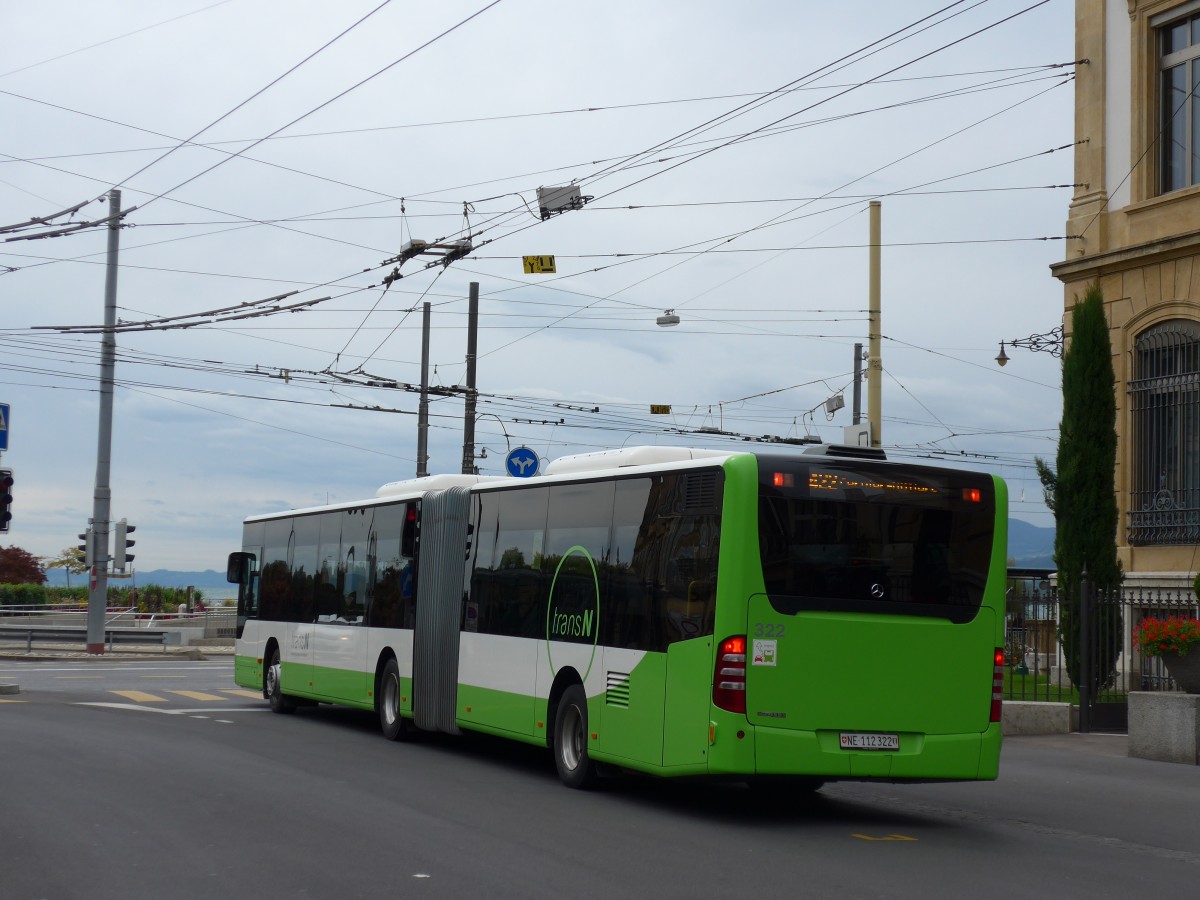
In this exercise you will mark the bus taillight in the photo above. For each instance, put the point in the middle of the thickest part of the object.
(729, 677)
(997, 684)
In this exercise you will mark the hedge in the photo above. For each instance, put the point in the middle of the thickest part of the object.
(151, 598)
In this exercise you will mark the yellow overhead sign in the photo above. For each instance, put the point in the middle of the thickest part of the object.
(660, 409)
(535, 265)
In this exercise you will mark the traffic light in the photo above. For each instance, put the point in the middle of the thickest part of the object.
(6, 483)
(86, 546)
(121, 555)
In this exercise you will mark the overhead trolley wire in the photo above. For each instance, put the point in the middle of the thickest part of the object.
(249, 99)
(332, 99)
(112, 39)
(764, 98)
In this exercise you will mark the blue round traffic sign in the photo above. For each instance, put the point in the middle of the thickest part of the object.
(521, 463)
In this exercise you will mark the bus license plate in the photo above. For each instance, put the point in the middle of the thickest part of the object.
(857, 740)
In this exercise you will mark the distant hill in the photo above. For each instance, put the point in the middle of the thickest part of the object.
(1029, 546)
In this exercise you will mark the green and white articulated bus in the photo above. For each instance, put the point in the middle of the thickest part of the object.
(813, 616)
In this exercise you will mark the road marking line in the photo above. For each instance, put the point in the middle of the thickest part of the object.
(253, 695)
(890, 837)
(131, 706)
(140, 696)
(134, 707)
(14, 701)
(197, 695)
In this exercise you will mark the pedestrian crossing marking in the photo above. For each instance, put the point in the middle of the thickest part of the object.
(205, 696)
(197, 695)
(140, 696)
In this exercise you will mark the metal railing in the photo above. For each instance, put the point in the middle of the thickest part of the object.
(217, 620)
(62, 634)
(1040, 646)
(124, 624)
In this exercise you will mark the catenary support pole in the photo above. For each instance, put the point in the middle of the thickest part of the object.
(102, 497)
(468, 463)
(423, 407)
(874, 361)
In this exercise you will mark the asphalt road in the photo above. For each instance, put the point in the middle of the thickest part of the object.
(202, 793)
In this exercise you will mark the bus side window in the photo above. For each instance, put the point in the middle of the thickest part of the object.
(274, 582)
(507, 589)
(353, 564)
(306, 561)
(390, 576)
(676, 552)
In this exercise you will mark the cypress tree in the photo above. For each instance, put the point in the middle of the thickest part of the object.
(1085, 503)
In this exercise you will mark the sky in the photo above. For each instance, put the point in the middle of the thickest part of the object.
(727, 154)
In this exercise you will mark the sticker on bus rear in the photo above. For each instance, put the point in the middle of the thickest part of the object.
(764, 653)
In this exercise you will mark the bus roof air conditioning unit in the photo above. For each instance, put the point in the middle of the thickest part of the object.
(857, 435)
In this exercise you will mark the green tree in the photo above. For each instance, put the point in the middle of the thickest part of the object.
(70, 559)
(1081, 492)
(19, 566)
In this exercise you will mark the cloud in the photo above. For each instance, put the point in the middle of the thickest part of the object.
(218, 422)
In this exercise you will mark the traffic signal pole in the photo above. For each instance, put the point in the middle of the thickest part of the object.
(102, 498)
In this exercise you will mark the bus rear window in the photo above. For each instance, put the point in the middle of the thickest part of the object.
(874, 538)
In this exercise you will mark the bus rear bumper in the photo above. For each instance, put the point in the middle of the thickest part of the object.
(969, 757)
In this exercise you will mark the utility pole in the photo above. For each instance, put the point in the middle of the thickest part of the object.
(874, 362)
(423, 407)
(468, 463)
(102, 498)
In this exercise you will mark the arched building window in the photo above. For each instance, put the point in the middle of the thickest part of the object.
(1164, 396)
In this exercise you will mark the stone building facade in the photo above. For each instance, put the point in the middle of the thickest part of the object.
(1134, 228)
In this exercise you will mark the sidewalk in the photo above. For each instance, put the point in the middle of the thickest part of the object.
(15, 651)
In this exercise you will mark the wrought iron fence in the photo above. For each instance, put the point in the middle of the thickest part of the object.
(1044, 664)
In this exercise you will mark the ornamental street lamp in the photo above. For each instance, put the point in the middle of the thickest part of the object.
(1051, 342)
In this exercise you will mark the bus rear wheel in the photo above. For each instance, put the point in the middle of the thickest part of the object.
(278, 700)
(575, 768)
(393, 725)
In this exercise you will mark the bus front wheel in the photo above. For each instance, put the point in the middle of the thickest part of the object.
(279, 701)
(394, 726)
(575, 768)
